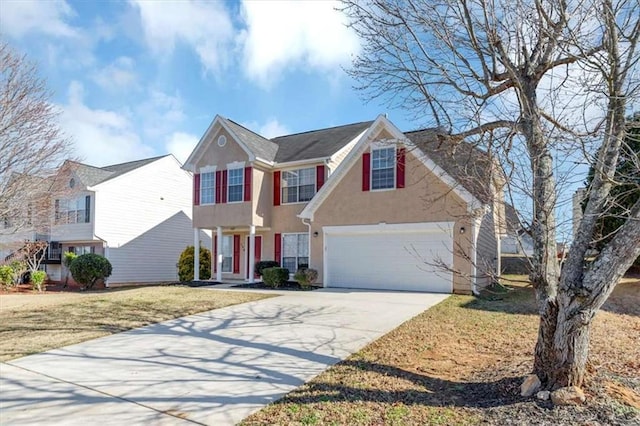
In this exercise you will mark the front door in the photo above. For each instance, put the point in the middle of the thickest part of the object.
(257, 252)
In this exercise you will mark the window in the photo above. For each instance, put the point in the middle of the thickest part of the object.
(207, 188)
(295, 251)
(80, 250)
(298, 185)
(55, 251)
(383, 168)
(227, 253)
(236, 193)
(75, 210)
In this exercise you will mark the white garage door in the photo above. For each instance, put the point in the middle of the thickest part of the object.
(389, 257)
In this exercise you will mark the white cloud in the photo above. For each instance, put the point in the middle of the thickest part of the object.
(181, 145)
(101, 136)
(270, 129)
(282, 34)
(119, 74)
(205, 26)
(160, 113)
(19, 18)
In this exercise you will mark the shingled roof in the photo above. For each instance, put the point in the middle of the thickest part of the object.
(309, 145)
(317, 143)
(470, 166)
(92, 175)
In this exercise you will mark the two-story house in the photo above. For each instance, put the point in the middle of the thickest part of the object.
(137, 214)
(365, 204)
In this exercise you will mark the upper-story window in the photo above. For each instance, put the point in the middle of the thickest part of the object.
(75, 210)
(207, 187)
(383, 166)
(236, 185)
(298, 185)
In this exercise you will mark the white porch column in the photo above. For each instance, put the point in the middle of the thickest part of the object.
(196, 254)
(252, 252)
(219, 254)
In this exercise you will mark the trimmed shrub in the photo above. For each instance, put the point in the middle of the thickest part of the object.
(275, 277)
(264, 264)
(305, 277)
(185, 264)
(19, 268)
(87, 269)
(37, 280)
(6, 276)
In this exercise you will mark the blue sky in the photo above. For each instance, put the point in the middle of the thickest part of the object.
(141, 78)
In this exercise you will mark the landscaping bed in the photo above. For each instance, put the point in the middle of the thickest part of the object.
(462, 362)
(289, 285)
(31, 323)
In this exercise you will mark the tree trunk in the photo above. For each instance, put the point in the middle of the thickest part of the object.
(563, 343)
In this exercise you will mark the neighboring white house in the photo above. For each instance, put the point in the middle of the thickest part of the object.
(137, 214)
(516, 240)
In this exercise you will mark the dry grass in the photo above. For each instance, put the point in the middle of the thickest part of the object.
(462, 362)
(31, 323)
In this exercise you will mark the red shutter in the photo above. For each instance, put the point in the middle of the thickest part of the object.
(196, 189)
(319, 177)
(215, 253)
(218, 187)
(247, 183)
(276, 189)
(400, 162)
(236, 254)
(223, 197)
(366, 171)
(277, 244)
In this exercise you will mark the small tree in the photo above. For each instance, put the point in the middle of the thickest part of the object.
(87, 269)
(37, 280)
(67, 260)
(185, 264)
(33, 253)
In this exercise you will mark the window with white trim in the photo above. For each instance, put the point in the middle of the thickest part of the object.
(207, 187)
(75, 210)
(227, 253)
(235, 185)
(295, 251)
(383, 165)
(298, 185)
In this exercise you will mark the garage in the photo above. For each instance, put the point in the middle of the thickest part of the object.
(389, 257)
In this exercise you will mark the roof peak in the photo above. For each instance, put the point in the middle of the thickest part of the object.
(323, 129)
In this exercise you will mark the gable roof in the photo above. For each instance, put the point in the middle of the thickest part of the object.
(92, 175)
(305, 146)
(421, 138)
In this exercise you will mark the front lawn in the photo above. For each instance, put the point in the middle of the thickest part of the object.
(31, 323)
(462, 362)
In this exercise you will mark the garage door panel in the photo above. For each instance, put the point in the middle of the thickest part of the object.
(400, 260)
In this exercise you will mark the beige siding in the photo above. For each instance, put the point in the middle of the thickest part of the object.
(425, 198)
(221, 156)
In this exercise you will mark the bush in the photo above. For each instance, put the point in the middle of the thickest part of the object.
(185, 264)
(88, 268)
(6, 276)
(305, 277)
(275, 277)
(264, 264)
(37, 280)
(68, 258)
(19, 268)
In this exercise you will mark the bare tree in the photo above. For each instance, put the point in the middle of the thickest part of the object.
(540, 85)
(32, 145)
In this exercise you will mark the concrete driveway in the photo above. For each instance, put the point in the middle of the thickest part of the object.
(213, 368)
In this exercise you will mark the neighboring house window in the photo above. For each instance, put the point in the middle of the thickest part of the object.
(80, 250)
(298, 185)
(236, 188)
(295, 251)
(207, 188)
(76, 210)
(383, 166)
(55, 251)
(227, 253)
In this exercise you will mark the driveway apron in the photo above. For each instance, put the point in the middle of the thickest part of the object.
(212, 368)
